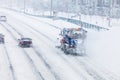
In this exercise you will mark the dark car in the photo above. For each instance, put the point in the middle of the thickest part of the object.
(25, 42)
(1, 38)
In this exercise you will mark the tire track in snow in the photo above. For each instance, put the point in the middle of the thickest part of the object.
(32, 28)
(10, 64)
(91, 71)
(37, 52)
(9, 61)
(38, 74)
(56, 27)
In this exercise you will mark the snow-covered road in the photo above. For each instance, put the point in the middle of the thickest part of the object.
(42, 61)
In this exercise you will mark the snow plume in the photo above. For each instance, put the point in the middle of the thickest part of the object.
(104, 47)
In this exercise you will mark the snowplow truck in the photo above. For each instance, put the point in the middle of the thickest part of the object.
(1, 38)
(72, 41)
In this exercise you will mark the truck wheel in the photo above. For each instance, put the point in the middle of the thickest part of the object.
(65, 50)
(62, 47)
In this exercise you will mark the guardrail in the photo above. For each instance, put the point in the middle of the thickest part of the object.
(77, 22)
(84, 24)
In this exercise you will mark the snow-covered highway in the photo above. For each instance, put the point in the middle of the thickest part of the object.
(43, 61)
